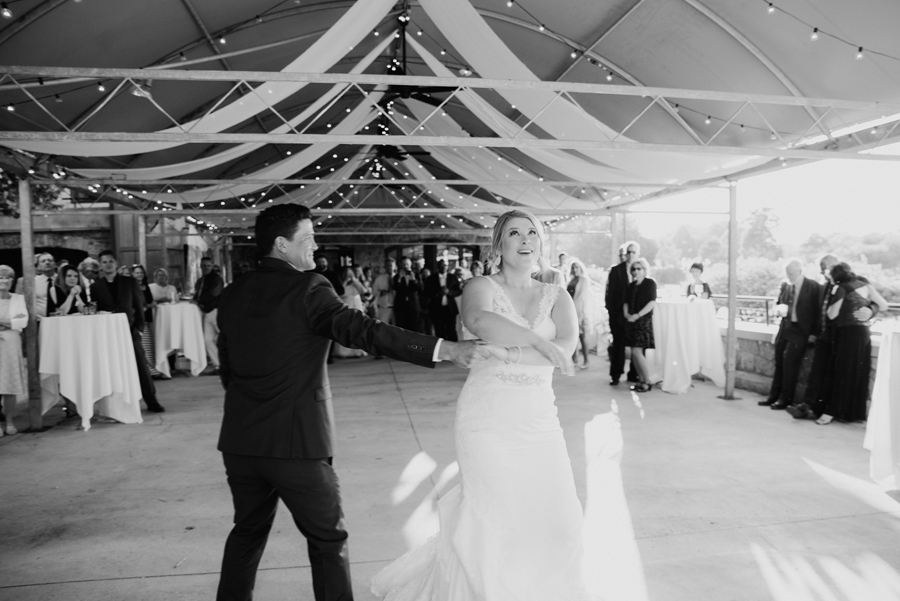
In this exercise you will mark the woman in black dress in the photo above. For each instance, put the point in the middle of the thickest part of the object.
(640, 301)
(847, 397)
(147, 339)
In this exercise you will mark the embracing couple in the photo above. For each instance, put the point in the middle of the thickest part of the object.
(511, 530)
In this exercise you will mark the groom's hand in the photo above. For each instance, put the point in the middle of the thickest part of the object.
(463, 354)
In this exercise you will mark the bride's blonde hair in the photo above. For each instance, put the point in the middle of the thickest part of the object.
(494, 263)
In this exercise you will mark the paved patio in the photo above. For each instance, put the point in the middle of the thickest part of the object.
(728, 501)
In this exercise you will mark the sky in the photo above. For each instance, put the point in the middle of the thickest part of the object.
(847, 196)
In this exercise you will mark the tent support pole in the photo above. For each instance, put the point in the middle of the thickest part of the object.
(35, 413)
(731, 337)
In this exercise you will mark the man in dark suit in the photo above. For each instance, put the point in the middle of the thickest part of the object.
(616, 286)
(331, 275)
(800, 300)
(276, 440)
(121, 294)
(407, 287)
(441, 290)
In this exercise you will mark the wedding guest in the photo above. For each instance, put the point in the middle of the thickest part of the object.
(820, 372)
(640, 300)
(352, 297)
(13, 319)
(579, 289)
(616, 297)
(406, 296)
(124, 270)
(147, 336)
(162, 291)
(67, 296)
(698, 288)
(799, 303)
(89, 268)
(851, 361)
(45, 268)
(323, 269)
(120, 294)
(206, 295)
(441, 291)
(383, 291)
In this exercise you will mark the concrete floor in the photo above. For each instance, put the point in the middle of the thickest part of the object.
(728, 501)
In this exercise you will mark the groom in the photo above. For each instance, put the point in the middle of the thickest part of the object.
(276, 325)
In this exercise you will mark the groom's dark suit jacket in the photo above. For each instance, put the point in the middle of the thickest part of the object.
(275, 325)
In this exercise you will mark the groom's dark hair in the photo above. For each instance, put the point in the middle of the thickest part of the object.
(280, 220)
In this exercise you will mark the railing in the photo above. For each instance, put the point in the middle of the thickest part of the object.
(754, 309)
(759, 309)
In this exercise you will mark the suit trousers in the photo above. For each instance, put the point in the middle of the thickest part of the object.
(789, 351)
(310, 490)
(211, 335)
(617, 349)
(819, 375)
(148, 388)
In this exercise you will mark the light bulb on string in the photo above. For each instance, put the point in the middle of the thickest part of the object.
(509, 3)
(609, 76)
(4, 10)
(859, 54)
(101, 87)
(573, 54)
(222, 40)
(10, 108)
(771, 8)
(541, 27)
(814, 35)
(708, 120)
(773, 136)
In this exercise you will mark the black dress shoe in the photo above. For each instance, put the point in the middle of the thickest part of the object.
(156, 409)
(766, 402)
(779, 406)
(614, 381)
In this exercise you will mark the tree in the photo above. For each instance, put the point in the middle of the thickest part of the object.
(758, 240)
(43, 196)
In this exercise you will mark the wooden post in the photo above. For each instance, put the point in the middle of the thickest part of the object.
(142, 243)
(731, 337)
(35, 413)
(227, 276)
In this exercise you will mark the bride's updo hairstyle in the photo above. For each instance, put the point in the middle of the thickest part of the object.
(493, 265)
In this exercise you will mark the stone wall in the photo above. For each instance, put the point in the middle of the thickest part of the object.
(755, 361)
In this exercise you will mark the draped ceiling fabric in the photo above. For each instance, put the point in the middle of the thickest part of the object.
(710, 46)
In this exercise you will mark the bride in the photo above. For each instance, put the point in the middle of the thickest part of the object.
(511, 529)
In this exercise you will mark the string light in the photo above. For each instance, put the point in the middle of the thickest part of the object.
(509, 3)
(101, 87)
(10, 108)
(573, 54)
(771, 8)
(814, 35)
(541, 27)
(609, 76)
(708, 120)
(222, 40)
(859, 54)
(4, 10)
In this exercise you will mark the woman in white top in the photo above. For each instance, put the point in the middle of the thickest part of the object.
(161, 290)
(354, 290)
(13, 319)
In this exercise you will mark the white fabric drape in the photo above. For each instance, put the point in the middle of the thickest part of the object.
(324, 53)
(285, 168)
(482, 164)
(576, 166)
(178, 169)
(481, 48)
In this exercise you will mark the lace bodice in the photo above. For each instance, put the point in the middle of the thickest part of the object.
(542, 323)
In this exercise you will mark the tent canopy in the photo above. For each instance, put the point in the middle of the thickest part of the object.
(442, 112)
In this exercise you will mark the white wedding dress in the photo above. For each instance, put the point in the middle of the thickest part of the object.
(511, 530)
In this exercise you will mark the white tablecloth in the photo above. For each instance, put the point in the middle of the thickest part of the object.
(90, 359)
(688, 341)
(179, 326)
(883, 424)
